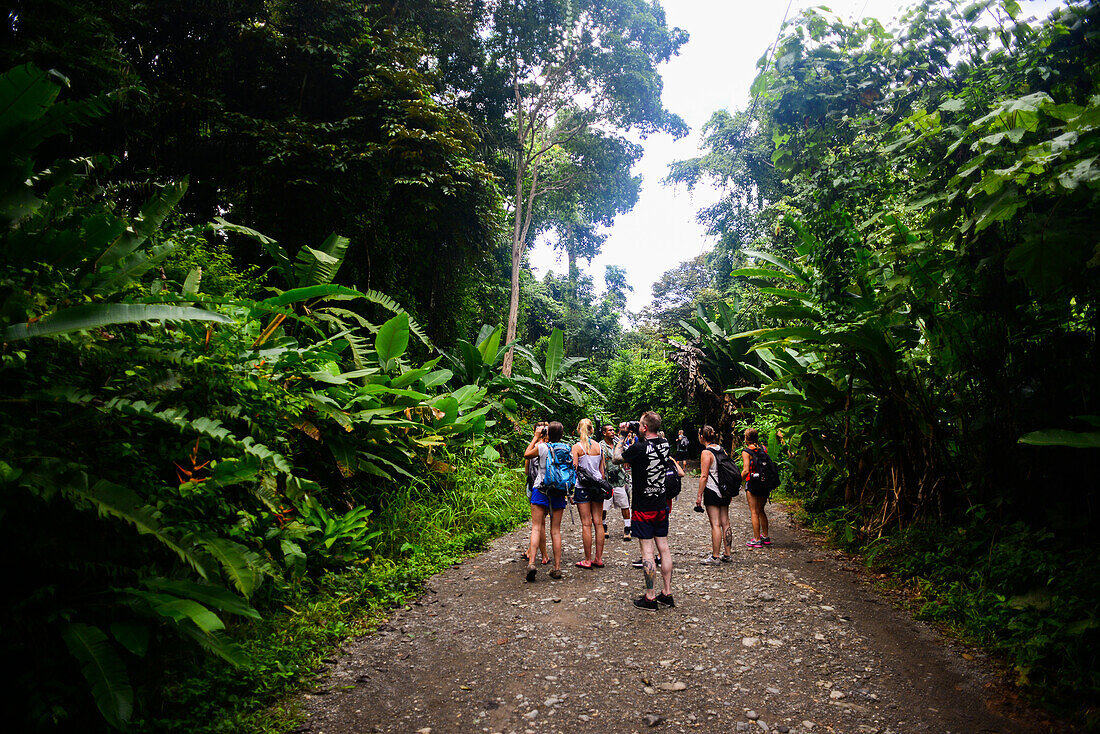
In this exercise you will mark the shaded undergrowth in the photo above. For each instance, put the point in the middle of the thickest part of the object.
(1027, 595)
(424, 528)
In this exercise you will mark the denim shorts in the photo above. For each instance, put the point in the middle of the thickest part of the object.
(581, 495)
(542, 500)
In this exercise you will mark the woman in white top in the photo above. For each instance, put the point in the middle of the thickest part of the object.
(587, 453)
(717, 506)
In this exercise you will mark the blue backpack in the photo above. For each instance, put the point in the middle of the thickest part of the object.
(560, 475)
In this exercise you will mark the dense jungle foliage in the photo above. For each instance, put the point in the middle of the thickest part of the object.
(256, 257)
(222, 446)
(908, 251)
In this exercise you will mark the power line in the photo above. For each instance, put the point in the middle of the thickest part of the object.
(771, 52)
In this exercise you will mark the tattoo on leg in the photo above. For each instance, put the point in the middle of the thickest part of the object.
(649, 568)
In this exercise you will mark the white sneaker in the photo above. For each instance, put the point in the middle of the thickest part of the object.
(710, 561)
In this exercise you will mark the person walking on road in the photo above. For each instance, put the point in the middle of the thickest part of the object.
(649, 456)
(542, 504)
(588, 454)
(710, 497)
(682, 445)
(755, 492)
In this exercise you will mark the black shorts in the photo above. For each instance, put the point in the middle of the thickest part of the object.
(648, 525)
(757, 491)
(713, 499)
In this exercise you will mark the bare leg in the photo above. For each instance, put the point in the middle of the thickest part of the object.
(555, 536)
(601, 535)
(585, 510)
(649, 567)
(538, 527)
(666, 565)
(542, 539)
(754, 513)
(763, 516)
(724, 525)
(715, 518)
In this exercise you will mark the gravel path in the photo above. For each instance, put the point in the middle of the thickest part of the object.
(789, 638)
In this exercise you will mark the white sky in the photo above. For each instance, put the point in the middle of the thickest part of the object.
(713, 71)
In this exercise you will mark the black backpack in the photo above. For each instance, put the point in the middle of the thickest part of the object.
(729, 476)
(762, 464)
(599, 489)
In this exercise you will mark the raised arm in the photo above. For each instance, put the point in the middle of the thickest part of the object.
(532, 450)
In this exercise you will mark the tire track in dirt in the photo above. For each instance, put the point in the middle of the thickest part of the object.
(783, 639)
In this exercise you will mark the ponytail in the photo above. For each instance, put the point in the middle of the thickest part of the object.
(584, 430)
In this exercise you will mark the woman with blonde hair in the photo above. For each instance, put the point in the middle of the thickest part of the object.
(587, 453)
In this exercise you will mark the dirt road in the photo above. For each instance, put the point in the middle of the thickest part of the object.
(789, 638)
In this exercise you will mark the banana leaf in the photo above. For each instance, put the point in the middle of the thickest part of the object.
(1059, 437)
(104, 671)
(98, 315)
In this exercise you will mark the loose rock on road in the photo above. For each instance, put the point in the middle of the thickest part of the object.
(789, 638)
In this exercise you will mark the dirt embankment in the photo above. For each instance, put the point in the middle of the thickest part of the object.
(788, 638)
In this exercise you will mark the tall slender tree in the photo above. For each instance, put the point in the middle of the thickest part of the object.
(575, 67)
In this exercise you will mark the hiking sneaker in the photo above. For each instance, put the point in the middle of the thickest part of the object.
(648, 604)
(765, 540)
(555, 573)
(754, 543)
(626, 536)
(710, 561)
(726, 558)
(665, 600)
(637, 563)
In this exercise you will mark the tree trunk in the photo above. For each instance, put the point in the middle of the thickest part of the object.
(571, 295)
(517, 260)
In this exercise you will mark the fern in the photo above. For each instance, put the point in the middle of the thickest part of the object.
(121, 503)
(241, 565)
(389, 304)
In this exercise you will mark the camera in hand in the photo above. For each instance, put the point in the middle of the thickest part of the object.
(634, 427)
(544, 431)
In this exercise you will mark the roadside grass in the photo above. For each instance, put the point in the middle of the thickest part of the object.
(425, 527)
(1029, 596)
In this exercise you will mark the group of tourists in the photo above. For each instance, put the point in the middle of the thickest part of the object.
(594, 474)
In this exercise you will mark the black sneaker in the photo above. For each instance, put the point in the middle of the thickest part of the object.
(666, 600)
(626, 536)
(643, 603)
(638, 563)
(530, 573)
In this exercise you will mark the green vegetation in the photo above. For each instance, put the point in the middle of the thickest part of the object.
(257, 381)
(181, 466)
(912, 283)
(437, 523)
